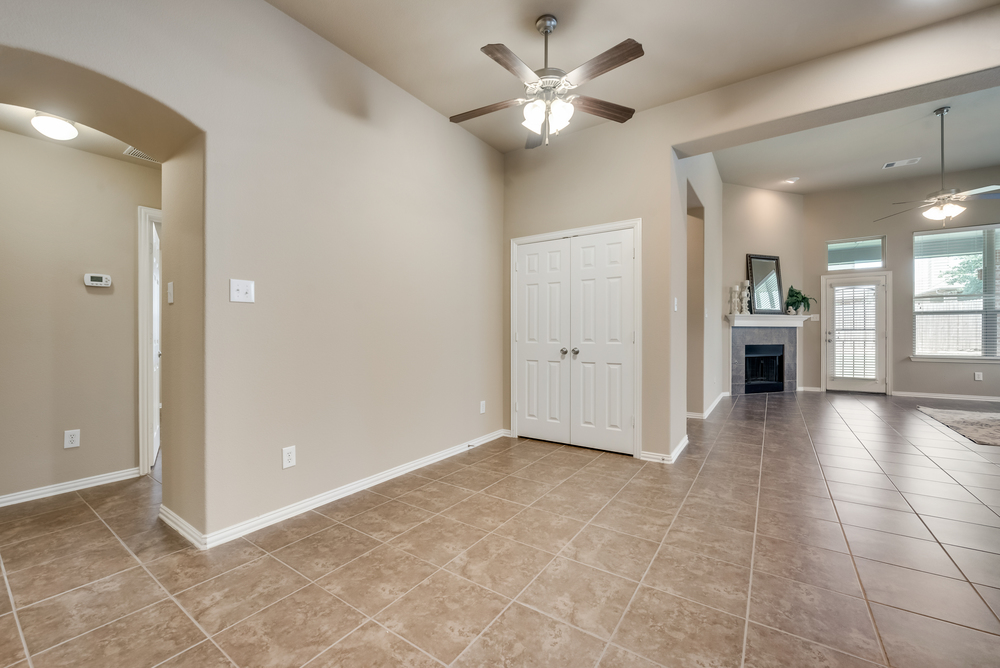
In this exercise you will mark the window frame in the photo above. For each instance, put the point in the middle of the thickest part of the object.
(841, 272)
(991, 303)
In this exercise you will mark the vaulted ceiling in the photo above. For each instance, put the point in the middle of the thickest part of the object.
(431, 48)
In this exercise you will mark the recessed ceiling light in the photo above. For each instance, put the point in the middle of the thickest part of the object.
(54, 128)
(792, 180)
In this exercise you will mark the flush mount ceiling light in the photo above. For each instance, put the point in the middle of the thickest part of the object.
(54, 128)
(944, 204)
(548, 99)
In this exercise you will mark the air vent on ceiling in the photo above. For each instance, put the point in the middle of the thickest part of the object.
(901, 163)
(136, 153)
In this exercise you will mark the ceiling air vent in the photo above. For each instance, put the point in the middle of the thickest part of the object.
(136, 153)
(901, 163)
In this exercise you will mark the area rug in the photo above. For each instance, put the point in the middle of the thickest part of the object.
(983, 428)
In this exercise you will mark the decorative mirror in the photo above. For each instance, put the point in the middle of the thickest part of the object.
(764, 274)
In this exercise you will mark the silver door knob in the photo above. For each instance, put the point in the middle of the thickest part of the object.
(563, 351)
(576, 351)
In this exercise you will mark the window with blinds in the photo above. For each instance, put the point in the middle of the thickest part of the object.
(955, 292)
(855, 330)
(866, 253)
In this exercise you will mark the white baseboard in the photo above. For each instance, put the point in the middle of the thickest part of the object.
(205, 541)
(71, 486)
(665, 459)
(931, 395)
(704, 416)
(811, 389)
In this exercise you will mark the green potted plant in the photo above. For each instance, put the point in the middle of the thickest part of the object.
(796, 300)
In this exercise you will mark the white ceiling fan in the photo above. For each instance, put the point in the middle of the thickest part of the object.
(944, 204)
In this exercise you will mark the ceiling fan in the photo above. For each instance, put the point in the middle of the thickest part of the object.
(944, 204)
(548, 98)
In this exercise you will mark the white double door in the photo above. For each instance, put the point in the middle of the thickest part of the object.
(575, 341)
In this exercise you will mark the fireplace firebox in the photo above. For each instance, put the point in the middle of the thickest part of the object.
(765, 368)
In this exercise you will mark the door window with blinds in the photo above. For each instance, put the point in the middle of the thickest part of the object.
(955, 292)
(855, 327)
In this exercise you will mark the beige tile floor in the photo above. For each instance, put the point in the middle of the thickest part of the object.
(821, 530)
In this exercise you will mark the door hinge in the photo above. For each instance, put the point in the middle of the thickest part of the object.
(515, 337)
(515, 266)
(633, 337)
(515, 406)
(633, 253)
(633, 420)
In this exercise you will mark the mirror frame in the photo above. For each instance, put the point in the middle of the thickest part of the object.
(753, 293)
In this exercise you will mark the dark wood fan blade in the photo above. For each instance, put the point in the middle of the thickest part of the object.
(609, 110)
(912, 201)
(510, 62)
(922, 206)
(614, 57)
(488, 109)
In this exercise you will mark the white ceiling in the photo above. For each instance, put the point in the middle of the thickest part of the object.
(431, 48)
(852, 153)
(18, 120)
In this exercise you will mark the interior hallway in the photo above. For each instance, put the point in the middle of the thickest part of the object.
(808, 530)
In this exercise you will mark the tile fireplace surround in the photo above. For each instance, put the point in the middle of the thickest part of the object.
(747, 330)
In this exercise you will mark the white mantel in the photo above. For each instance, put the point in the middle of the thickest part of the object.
(762, 320)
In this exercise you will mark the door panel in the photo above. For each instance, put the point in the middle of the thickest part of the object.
(856, 334)
(157, 311)
(602, 312)
(542, 331)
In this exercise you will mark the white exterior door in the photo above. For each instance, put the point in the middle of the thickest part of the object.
(855, 330)
(575, 340)
(542, 337)
(603, 318)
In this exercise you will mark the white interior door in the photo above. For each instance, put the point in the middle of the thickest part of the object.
(603, 341)
(157, 304)
(542, 339)
(855, 328)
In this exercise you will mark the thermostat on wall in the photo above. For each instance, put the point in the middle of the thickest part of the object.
(97, 280)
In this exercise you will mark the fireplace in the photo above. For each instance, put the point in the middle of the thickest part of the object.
(765, 368)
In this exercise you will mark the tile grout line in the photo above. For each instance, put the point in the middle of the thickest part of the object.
(850, 551)
(165, 590)
(555, 556)
(13, 612)
(753, 549)
(677, 513)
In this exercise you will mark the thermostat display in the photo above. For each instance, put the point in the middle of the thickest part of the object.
(97, 280)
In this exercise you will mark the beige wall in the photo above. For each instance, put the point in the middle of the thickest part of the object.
(370, 224)
(67, 351)
(843, 214)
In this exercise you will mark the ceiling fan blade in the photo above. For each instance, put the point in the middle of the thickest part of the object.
(609, 110)
(488, 109)
(977, 191)
(614, 57)
(983, 196)
(510, 62)
(914, 201)
(899, 212)
(534, 141)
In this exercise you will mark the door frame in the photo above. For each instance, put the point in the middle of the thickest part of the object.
(634, 224)
(147, 410)
(824, 285)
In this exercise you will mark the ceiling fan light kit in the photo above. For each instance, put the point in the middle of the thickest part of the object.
(549, 102)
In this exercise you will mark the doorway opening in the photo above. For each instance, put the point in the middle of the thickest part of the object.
(150, 334)
(696, 311)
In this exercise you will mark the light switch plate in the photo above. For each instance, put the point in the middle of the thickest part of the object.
(170, 292)
(978, 376)
(240, 291)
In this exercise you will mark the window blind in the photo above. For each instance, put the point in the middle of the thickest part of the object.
(955, 290)
(854, 332)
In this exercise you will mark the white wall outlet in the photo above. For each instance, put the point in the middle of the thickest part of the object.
(71, 438)
(288, 456)
(979, 375)
(240, 291)
(170, 292)
(482, 407)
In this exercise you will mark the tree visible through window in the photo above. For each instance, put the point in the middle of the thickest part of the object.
(955, 292)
